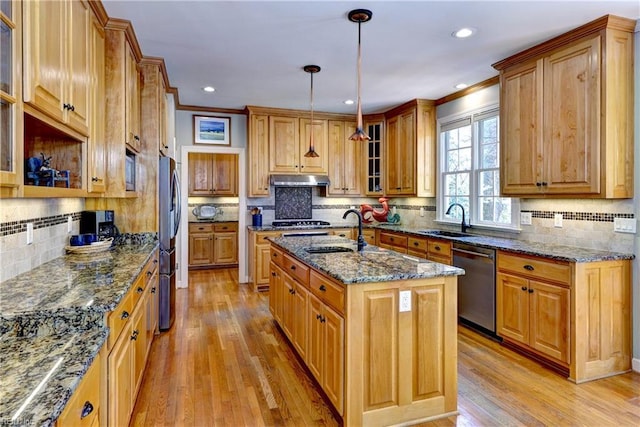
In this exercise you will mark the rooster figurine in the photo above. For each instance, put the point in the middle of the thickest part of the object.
(368, 211)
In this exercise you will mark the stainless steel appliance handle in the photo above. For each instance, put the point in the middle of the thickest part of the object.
(478, 254)
(175, 183)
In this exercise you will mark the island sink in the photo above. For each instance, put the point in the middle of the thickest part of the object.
(327, 249)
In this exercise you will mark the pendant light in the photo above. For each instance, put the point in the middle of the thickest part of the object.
(311, 69)
(359, 16)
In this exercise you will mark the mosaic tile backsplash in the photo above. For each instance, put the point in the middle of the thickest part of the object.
(293, 202)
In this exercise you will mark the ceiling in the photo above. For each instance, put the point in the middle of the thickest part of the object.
(253, 52)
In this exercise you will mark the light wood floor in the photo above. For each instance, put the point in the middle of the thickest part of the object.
(225, 363)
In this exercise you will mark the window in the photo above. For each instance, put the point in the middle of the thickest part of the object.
(470, 171)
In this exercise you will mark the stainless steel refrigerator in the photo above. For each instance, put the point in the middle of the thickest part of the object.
(169, 219)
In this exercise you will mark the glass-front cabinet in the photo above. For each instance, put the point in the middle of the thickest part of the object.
(373, 157)
(10, 108)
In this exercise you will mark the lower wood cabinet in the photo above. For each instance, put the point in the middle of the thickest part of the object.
(213, 244)
(131, 328)
(259, 258)
(576, 316)
(435, 250)
(85, 409)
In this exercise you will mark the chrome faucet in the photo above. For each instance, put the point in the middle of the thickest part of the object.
(361, 241)
(463, 224)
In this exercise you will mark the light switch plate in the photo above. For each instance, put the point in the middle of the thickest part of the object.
(69, 224)
(421, 211)
(624, 225)
(29, 233)
(405, 301)
(525, 218)
(557, 220)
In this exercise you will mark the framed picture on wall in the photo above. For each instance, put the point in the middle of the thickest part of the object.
(211, 130)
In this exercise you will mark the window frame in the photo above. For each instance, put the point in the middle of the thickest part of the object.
(470, 117)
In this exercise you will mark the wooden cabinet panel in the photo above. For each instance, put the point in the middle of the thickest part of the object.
(512, 316)
(213, 174)
(327, 291)
(79, 94)
(139, 345)
(213, 244)
(200, 249)
(284, 144)
(276, 289)
(555, 118)
(132, 100)
(428, 359)
(300, 300)
(120, 385)
(400, 152)
(316, 338)
(225, 248)
(97, 165)
(549, 315)
(314, 165)
(345, 169)
(258, 156)
(333, 358)
(260, 255)
(84, 409)
(536, 267)
(372, 150)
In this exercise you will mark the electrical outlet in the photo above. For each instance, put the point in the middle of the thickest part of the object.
(421, 211)
(557, 220)
(525, 218)
(69, 224)
(352, 207)
(405, 301)
(624, 225)
(29, 233)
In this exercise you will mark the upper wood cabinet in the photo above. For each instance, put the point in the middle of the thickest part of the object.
(213, 174)
(57, 61)
(345, 164)
(410, 162)
(567, 114)
(288, 142)
(97, 165)
(258, 155)
(132, 99)
(373, 171)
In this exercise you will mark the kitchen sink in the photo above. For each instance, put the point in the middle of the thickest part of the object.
(327, 249)
(445, 233)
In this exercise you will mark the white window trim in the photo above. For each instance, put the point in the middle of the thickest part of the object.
(471, 217)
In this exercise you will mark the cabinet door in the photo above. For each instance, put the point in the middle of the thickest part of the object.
(512, 306)
(300, 298)
(97, 150)
(406, 153)
(200, 180)
(521, 129)
(275, 293)
(393, 174)
(44, 56)
(263, 258)
(225, 248)
(78, 93)
(316, 341)
(549, 308)
(152, 309)
(320, 164)
(259, 156)
(288, 305)
(373, 162)
(139, 344)
(572, 119)
(224, 174)
(120, 381)
(333, 357)
(132, 123)
(346, 158)
(200, 248)
(283, 144)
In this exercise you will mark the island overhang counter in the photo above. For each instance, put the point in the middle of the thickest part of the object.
(377, 329)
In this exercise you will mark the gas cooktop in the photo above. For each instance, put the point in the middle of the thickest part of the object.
(298, 223)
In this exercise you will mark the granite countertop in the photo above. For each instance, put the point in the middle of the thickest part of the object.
(39, 374)
(373, 264)
(52, 326)
(299, 227)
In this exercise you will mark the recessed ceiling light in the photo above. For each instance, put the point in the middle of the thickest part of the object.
(461, 86)
(209, 89)
(349, 102)
(464, 32)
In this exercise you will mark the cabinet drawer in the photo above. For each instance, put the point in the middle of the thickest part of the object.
(393, 239)
(137, 290)
(296, 269)
(540, 268)
(439, 248)
(225, 227)
(417, 244)
(328, 292)
(83, 408)
(277, 257)
(200, 228)
(342, 232)
(119, 318)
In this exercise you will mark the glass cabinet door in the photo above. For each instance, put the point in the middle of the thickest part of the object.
(373, 157)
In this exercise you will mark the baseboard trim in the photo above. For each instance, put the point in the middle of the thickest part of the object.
(635, 365)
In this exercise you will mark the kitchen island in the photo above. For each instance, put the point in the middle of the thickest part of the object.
(376, 328)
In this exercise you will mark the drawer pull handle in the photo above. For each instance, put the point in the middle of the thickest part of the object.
(528, 267)
(273, 273)
(524, 288)
(416, 244)
(148, 274)
(293, 267)
(86, 409)
(530, 290)
(139, 290)
(155, 261)
(318, 317)
(436, 247)
(124, 315)
(200, 228)
(153, 290)
(322, 319)
(134, 335)
(323, 288)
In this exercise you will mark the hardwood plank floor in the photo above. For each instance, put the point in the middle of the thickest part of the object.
(226, 363)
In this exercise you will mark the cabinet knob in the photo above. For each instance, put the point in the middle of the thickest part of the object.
(293, 267)
(416, 244)
(124, 315)
(273, 273)
(139, 290)
(166, 146)
(318, 317)
(134, 335)
(528, 267)
(148, 274)
(86, 409)
(524, 288)
(136, 137)
(437, 248)
(323, 288)
(153, 290)
(530, 290)
(95, 179)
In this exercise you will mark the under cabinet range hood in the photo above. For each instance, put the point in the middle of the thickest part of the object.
(299, 180)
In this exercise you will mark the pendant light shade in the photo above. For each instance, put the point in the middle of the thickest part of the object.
(311, 69)
(359, 16)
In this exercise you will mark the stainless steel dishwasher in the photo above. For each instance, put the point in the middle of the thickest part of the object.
(477, 288)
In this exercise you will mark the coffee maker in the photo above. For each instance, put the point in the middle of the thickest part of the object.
(101, 223)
